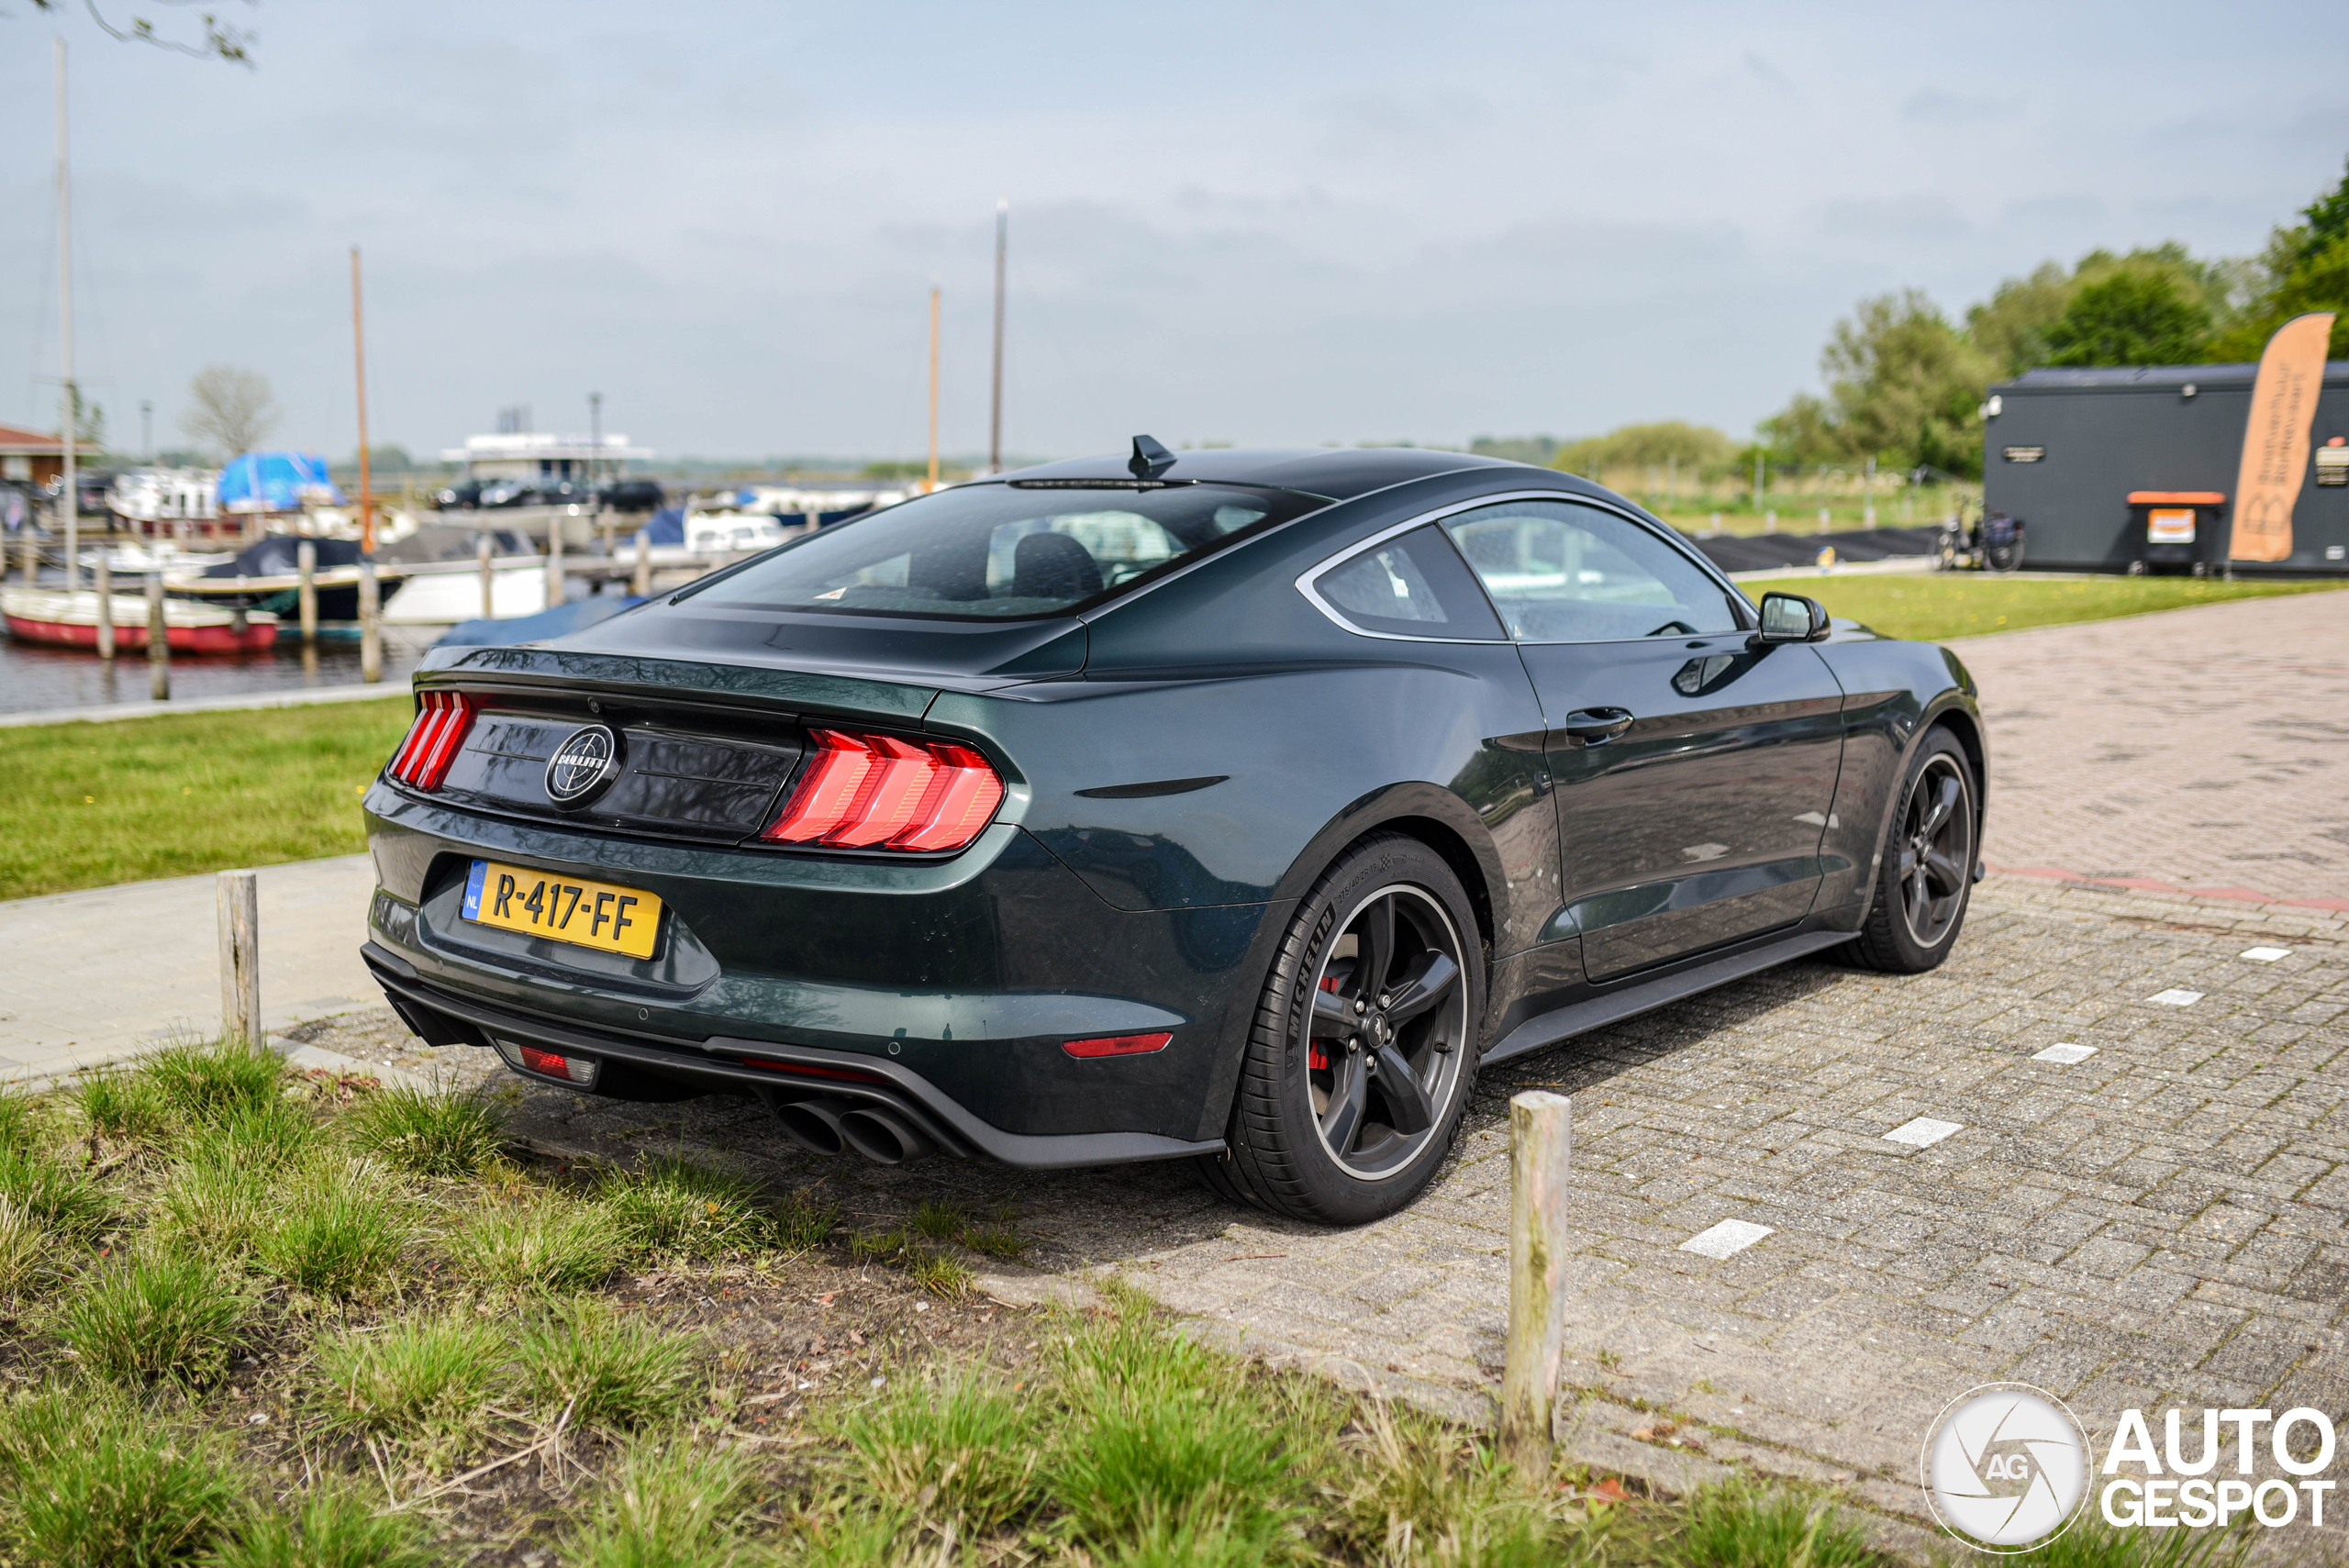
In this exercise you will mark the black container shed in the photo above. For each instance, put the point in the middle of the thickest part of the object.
(2064, 449)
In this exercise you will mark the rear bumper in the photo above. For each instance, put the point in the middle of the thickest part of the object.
(953, 984)
(718, 1063)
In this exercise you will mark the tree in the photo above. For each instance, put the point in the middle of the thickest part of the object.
(2134, 317)
(231, 410)
(1693, 446)
(2306, 268)
(221, 40)
(1902, 384)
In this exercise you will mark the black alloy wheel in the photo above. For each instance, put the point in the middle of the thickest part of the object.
(1363, 1049)
(1387, 1030)
(1927, 873)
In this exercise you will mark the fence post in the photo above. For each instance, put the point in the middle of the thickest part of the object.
(159, 641)
(554, 562)
(238, 894)
(105, 603)
(641, 586)
(305, 562)
(488, 578)
(1541, 1148)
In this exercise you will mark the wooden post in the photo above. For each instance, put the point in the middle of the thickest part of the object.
(370, 633)
(106, 604)
(159, 641)
(554, 562)
(305, 562)
(32, 553)
(488, 579)
(641, 584)
(1541, 1148)
(238, 896)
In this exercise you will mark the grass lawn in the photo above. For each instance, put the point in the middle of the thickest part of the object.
(88, 805)
(1939, 605)
(251, 1319)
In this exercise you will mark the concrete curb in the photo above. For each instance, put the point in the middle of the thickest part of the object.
(302, 696)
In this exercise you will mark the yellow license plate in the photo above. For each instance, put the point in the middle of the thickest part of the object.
(591, 914)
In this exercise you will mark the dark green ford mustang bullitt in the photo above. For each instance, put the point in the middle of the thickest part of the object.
(1225, 806)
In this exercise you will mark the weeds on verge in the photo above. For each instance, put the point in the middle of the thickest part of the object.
(57, 1197)
(204, 1083)
(548, 1242)
(961, 1447)
(670, 1205)
(430, 1135)
(800, 1222)
(341, 1229)
(1422, 1490)
(93, 1481)
(24, 1252)
(607, 1370)
(154, 1320)
(330, 1527)
(124, 1105)
(425, 1382)
(670, 1503)
(939, 1221)
(1740, 1525)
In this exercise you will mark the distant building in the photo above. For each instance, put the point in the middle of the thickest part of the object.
(166, 494)
(542, 454)
(30, 457)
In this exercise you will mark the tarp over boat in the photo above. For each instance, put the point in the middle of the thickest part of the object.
(276, 482)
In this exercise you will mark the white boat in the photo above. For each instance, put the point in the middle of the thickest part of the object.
(442, 592)
(70, 620)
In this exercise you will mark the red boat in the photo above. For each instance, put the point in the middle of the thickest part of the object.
(70, 620)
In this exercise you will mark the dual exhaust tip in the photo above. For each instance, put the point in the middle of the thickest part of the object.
(831, 1126)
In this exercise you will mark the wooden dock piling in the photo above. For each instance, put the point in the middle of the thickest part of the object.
(237, 894)
(1541, 1148)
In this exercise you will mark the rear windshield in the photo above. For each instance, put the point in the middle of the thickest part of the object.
(999, 551)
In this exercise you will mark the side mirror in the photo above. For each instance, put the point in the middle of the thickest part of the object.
(1790, 617)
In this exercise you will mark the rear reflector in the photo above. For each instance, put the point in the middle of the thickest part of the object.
(433, 741)
(1117, 1045)
(579, 1070)
(878, 792)
(811, 1071)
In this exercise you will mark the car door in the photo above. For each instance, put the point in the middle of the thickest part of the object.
(1692, 773)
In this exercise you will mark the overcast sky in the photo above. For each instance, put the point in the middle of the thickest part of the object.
(1261, 223)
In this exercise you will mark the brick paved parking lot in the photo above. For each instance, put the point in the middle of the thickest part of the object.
(2120, 1175)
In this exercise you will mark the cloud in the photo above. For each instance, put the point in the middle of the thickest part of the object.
(1938, 106)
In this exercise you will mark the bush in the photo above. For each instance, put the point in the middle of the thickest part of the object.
(155, 1320)
(98, 1482)
(606, 1370)
(550, 1241)
(429, 1135)
(672, 1206)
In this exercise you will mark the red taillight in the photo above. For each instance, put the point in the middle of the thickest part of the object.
(809, 1070)
(442, 720)
(1117, 1045)
(578, 1069)
(880, 792)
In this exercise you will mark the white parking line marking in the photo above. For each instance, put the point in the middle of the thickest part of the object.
(2267, 955)
(1923, 1133)
(2065, 1053)
(1730, 1236)
(2174, 997)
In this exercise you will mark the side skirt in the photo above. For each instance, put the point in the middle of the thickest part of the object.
(1613, 1007)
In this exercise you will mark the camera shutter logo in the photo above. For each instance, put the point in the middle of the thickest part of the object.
(2006, 1468)
(587, 759)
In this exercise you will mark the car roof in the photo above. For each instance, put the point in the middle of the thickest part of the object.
(1336, 473)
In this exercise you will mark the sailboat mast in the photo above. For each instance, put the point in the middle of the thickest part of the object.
(995, 404)
(71, 498)
(359, 354)
(933, 391)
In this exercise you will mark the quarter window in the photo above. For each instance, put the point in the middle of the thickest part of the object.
(1561, 572)
(1413, 585)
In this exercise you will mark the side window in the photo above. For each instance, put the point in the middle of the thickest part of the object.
(1413, 585)
(1561, 572)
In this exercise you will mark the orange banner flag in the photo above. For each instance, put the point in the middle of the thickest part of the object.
(2275, 438)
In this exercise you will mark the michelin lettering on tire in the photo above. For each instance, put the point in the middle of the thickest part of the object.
(2006, 1468)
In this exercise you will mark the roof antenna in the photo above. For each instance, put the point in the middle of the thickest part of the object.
(1150, 459)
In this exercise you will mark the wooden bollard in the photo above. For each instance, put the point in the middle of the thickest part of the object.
(554, 562)
(238, 894)
(159, 641)
(641, 583)
(371, 630)
(1541, 1150)
(106, 605)
(306, 562)
(488, 579)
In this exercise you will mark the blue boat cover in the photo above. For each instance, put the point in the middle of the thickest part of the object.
(560, 621)
(667, 527)
(283, 480)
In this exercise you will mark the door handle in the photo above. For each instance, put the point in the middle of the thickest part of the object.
(1596, 726)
